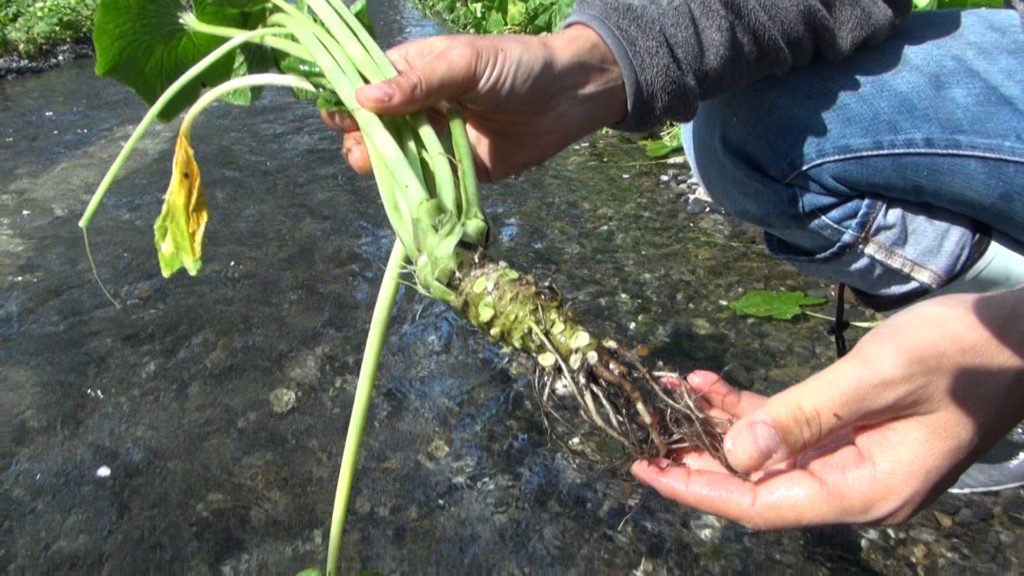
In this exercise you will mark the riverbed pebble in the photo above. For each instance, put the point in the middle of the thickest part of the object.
(282, 400)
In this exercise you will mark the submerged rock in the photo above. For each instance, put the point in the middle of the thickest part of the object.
(282, 400)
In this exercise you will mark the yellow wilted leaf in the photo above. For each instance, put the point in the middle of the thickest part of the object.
(182, 221)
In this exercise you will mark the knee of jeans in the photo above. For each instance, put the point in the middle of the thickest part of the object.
(726, 165)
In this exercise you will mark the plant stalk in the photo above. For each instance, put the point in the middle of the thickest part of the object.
(158, 106)
(214, 94)
(386, 297)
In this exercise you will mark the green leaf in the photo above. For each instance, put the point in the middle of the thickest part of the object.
(495, 24)
(249, 60)
(778, 305)
(516, 12)
(660, 148)
(144, 45)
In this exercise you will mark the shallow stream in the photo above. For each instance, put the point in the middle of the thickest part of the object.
(199, 427)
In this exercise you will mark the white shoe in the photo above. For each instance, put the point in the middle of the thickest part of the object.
(999, 469)
(1000, 267)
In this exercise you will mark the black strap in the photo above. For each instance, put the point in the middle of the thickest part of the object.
(840, 325)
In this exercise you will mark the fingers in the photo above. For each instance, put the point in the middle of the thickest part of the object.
(793, 499)
(844, 395)
(354, 150)
(339, 121)
(714, 390)
(429, 71)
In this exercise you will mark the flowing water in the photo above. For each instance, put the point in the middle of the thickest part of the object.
(198, 428)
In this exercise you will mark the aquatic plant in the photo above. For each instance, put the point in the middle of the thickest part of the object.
(167, 52)
(500, 16)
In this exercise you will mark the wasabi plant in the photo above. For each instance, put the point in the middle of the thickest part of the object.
(167, 51)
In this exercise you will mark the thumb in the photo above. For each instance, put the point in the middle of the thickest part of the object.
(427, 74)
(842, 396)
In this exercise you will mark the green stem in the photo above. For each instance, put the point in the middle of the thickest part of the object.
(364, 38)
(434, 152)
(865, 325)
(374, 66)
(348, 36)
(213, 94)
(471, 216)
(158, 106)
(360, 406)
(194, 24)
(468, 187)
(386, 155)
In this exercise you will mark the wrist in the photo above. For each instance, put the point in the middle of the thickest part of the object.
(1002, 315)
(989, 359)
(585, 67)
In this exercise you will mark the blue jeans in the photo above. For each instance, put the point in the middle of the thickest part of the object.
(880, 170)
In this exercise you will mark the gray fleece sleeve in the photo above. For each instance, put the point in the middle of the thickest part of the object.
(674, 53)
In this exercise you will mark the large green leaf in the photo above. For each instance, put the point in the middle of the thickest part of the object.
(778, 305)
(143, 44)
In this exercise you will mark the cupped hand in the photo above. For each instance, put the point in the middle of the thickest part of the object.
(525, 98)
(874, 437)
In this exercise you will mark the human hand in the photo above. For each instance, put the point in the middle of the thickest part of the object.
(525, 98)
(874, 437)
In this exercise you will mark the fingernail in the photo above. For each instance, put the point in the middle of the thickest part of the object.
(751, 446)
(670, 383)
(380, 93)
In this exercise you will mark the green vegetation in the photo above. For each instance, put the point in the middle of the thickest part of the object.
(169, 52)
(781, 305)
(30, 28)
(957, 4)
(778, 305)
(500, 16)
(668, 142)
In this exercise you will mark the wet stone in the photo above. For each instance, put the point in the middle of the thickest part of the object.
(282, 400)
(702, 327)
(438, 449)
(1013, 508)
(697, 206)
(707, 527)
(968, 515)
(922, 534)
(919, 554)
(949, 504)
(944, 520)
